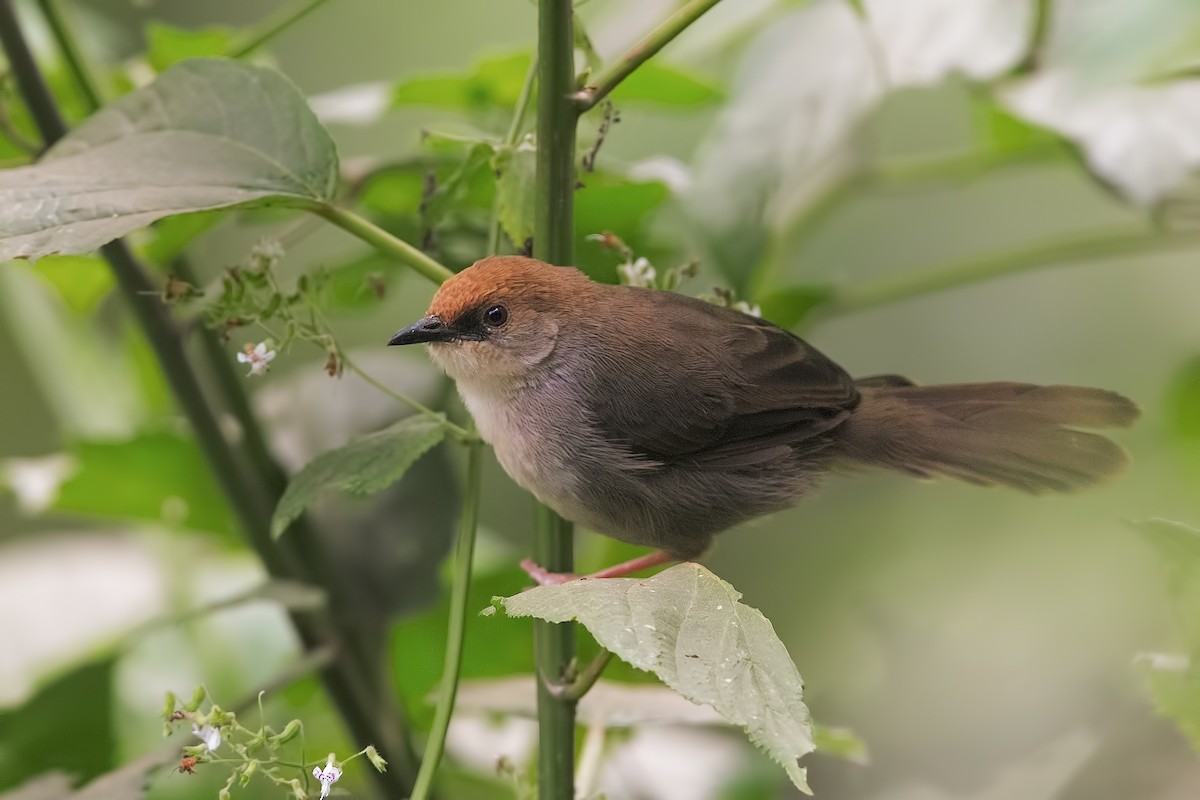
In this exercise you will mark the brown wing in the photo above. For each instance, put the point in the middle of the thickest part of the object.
(741, 390)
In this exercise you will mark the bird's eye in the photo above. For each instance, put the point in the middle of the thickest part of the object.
(496, 316)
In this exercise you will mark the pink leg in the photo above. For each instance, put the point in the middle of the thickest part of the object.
(542, 576)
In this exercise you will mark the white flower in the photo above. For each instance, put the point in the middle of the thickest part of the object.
(35, 481)
(209, 735)
(746, 308)
(328, 776)
(258, 357)
(640, 273)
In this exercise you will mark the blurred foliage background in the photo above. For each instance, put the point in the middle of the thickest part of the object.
(983, 644)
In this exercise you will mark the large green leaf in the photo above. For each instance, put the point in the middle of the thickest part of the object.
(658, 83)
(688, 627)
(364, 466)
(206, 134)
(492, 82)
(67, 726)
(81, 281)
(159, 476)
(167, 45)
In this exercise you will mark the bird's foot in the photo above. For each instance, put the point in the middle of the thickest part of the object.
(543, 576)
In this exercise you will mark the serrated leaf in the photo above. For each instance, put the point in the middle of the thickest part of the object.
(167, 44)
(653, 82)
(364, 466)
(515, 190)
(688, 627)
(206, 134)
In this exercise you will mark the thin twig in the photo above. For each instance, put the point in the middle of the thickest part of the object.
(510, 140)
(272, 27)
(1090, 247)
(640, 53)
(456, 632)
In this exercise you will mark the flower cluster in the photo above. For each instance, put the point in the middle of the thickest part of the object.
(225, 743)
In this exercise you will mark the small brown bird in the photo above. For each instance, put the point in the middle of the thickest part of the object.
(662, 420)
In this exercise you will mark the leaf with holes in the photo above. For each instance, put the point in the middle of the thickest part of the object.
(688, 627)
(206, 134)
(365, 466)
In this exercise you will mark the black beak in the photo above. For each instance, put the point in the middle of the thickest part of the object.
(430, 329)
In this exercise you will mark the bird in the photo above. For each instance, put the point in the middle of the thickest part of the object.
(662, 420)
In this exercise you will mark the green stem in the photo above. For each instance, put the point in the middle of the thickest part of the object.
(641, 52)
(459, 433)
(584, 681)
(272, 27)
(72, 54)
(346, 680)
(553, 239)
(510, 140)
(456, 632)
(383, 241)
(1092, 247)
(892, 175)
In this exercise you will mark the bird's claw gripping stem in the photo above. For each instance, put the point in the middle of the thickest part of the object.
(542, 576)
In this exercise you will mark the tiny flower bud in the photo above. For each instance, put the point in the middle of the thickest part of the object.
(248, 770)
(169, 707)
(376, 760)
(289, 732)
(197, 698)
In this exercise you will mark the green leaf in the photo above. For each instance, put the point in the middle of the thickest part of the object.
(451, 191)
(1183, 415)
(158, 476)
(1176, 696)
(609, 202)
(1178, 545)
(206, 134)
(171, 236)
(394, 192)
(494, 82)
(364, 466)
(840, 742)
(81, 281)
(167, 44)
(658, 83)
(788, 307)
(688, 627)
(492, 651)
(515, 187)
(67, 726)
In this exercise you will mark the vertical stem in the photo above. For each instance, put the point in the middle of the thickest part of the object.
(459, 594)
(347, 678)
(554, 644)
(72, 54)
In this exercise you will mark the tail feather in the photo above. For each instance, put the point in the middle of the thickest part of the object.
(1009, 434)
